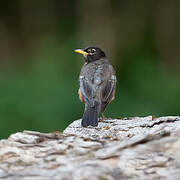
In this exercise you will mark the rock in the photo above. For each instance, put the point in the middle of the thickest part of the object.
(129, 148)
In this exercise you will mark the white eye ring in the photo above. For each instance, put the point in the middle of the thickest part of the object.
(93, 50)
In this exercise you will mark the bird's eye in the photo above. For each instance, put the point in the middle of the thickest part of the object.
(93, 50)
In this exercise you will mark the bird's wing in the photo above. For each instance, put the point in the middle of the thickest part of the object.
(86, 89)
(109, 86)
(100, 85)
(91, 79)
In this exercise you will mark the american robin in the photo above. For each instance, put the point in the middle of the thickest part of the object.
(97, 84)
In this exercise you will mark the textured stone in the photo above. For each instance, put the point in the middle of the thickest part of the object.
(129, 148)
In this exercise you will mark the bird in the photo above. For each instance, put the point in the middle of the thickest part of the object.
(97, 82)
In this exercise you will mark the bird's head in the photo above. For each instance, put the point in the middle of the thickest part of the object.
(91, 53)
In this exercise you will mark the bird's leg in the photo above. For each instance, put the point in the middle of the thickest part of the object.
(103, 117)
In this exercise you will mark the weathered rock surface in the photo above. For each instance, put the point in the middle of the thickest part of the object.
(131, 148)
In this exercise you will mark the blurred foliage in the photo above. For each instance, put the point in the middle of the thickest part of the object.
(39, 70)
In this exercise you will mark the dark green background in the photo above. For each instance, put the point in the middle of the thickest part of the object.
(39, 70)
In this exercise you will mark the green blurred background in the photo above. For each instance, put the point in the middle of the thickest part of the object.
(39, 70)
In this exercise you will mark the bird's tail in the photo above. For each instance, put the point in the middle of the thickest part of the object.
(90, 116)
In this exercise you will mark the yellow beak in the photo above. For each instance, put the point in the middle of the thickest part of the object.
(80, 51)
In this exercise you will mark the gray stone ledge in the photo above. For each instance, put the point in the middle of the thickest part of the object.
(129, 148)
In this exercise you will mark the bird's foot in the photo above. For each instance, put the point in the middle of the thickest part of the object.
(103, 118)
